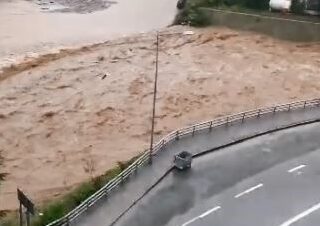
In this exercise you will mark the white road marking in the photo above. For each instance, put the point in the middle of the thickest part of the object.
(202, 215)
(301, 215)
(248, 191)
(210, 211)
(296, 168)
(190, 221)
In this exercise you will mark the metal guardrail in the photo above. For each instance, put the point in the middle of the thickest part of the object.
(176, 135)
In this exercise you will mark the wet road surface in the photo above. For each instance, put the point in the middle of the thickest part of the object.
(270, 180)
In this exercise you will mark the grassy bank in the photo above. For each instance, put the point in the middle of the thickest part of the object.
(58, 208)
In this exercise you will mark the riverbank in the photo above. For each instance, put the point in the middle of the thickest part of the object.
(58, 114)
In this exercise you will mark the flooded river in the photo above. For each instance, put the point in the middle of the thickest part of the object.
(27, 28)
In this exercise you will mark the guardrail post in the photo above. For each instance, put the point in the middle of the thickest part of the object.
(289, 107)
(162, 144)
(193, 129)
(177, 135)
(68, 222)
(274, 109)
(121, 177)
(243, 115)
(304, 104)
(210, 128)
(135, 167)
(259, 113)
(227, 120)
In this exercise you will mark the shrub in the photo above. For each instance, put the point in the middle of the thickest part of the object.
(50, 213)
(298, 6)
(192, 15)
(59, 208)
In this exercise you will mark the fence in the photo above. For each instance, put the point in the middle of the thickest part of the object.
(174, 136)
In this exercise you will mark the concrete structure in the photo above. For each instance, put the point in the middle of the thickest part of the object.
(283, 28)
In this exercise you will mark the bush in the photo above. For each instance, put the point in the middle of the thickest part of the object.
(50, 213)
(192, 14)
(298, 6)
(59, 208)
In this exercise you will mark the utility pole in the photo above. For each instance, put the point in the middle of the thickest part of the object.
(20, 214)
(154, 98)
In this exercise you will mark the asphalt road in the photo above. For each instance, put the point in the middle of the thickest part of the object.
(270, 180)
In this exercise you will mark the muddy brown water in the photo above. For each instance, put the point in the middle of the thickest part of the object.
(27, 28)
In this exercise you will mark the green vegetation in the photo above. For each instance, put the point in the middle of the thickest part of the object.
(193, 16)
(298, 7)
(62, 206)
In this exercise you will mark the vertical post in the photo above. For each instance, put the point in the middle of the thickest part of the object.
(304, 104)
(289, 107)
(177, 135)
(68, 222)
(154, 99)
(28, 218)
(259, 113)
(20, 214)
(193, 129)
(274, 109)
(243, 115)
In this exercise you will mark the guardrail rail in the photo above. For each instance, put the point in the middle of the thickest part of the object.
(174, 136)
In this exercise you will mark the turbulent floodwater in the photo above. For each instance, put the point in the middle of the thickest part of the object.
(29, 28)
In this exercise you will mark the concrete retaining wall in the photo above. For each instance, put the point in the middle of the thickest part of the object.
(288, 29)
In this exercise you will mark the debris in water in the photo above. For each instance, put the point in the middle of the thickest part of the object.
(188, 33)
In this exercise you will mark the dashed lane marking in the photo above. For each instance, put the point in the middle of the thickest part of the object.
(296, 168)
(202, 215)
(248, 191)
(301, 215)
